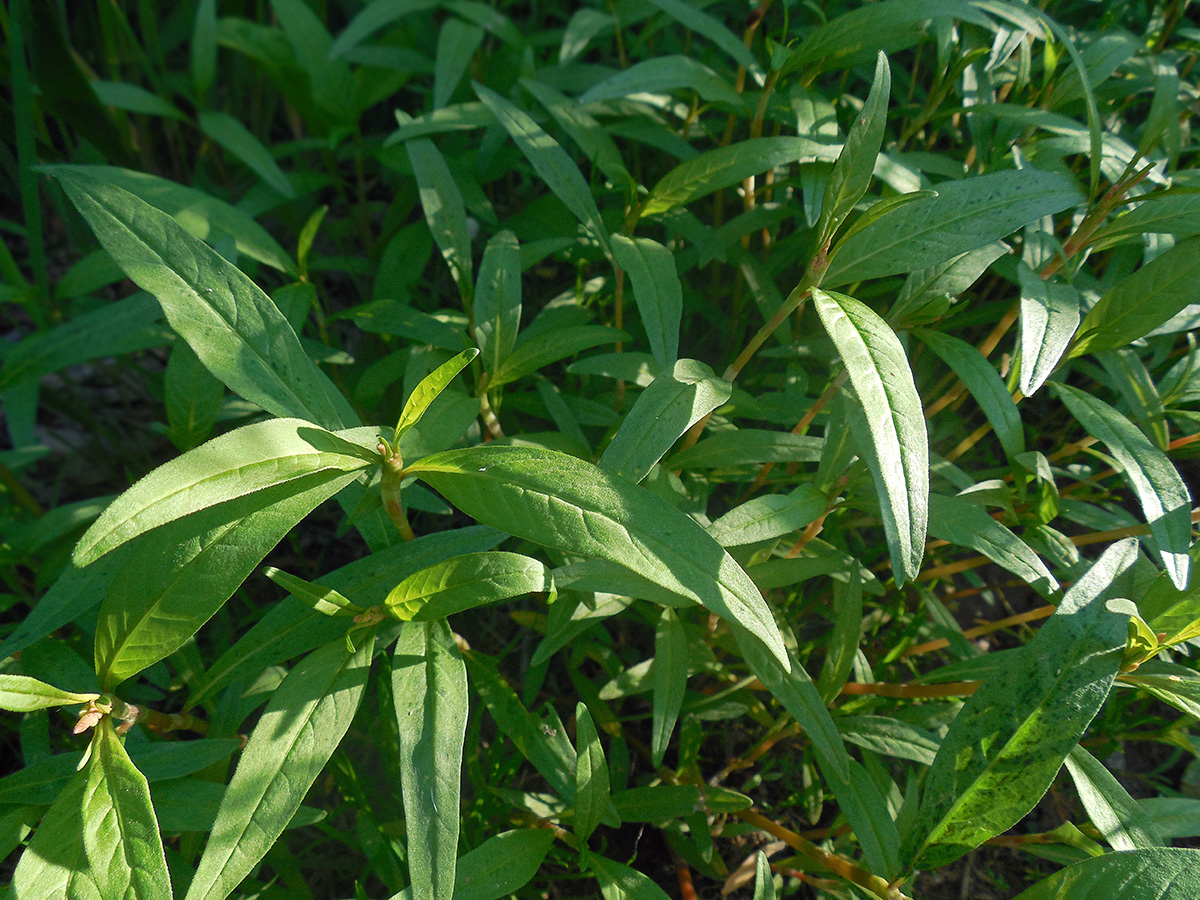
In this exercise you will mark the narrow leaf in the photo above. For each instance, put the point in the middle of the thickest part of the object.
(242, 462)
(429, 684)
(1164, 498)
(444, 211)
(1049, 317)
(239, 141)
(768, 517)
(498, 300)
(430, 387)
(457, 43)
(1156, 874)
(591, 776)
(567, 504)
(303, 724)
(899, 457)
(843, 640)
(656, 288)
(20, 693)
(665, 73)
(670, 681)
(618, 882)
(694, 19)
(466, 582)
(1121, 821)
(589, 135)
(502, 864)
(542, 348)
(764, 884)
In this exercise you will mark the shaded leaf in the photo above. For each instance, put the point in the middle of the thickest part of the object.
(1121, 821)
(670, 681)
(241, 143)
(656, 288)
(1049, 317)
(591, 776)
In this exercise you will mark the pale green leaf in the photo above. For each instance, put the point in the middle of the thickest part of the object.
(670, 681)
(591, 776)
(771, 516)
(618, 882)
(542, 348)
(661, 74)
(502, 864)
(590, 136)
(1155, 874)
(1049, 317)
(465, 582)
(657, 290)
(20, 693)
(428, 390)
(444, 209)
(498, 300)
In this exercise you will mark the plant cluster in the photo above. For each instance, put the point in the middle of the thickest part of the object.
(659, 447)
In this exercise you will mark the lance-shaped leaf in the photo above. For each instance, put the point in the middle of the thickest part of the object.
(100, 838)
(1162, 873)
(429, 684)
(662, 413)
(1123, 823)
(1138, 304)
(236, 330)
(550, 161)
(851, 175)
(843, 640)
(565, 503)
(984, 383)
(175, 580)
(591, 776)
(237, 464)
(1009, 740)
(665, 73)
(241, 142)
(768, 517)
(466, 582)
(457, 43)
(545, 347)
(303, 724)
(498, 300)
(724, 166)
(591, 137)
(428, 390)
(656, 288)
(964, 524)
(1049, 317)
(20, 693)
(898, 445)
(502, 864)
(965, 215)
(1164, 498)
(694, 19)
(324, 600)
(444, 211)
(670, 681)
(618, 882)
(764, 884)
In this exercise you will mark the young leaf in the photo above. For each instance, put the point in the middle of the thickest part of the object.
(562, 502)
(324, 600)
(498, 300)
(724, 166)
(662, 413)
(899, 457)
(618, 882)
(855, 165)
(985, 385)
(1138, 304)
(1008, 742)
(656, 288)
(550, 161)
(670, 681)
(175, 580)
(591, 776)
(1049, 317)
(964, 215)
(235, 329)
(429, 684)
(20, 693)
(237, 139)
(764, 884)
(1161, 873)
(466, 582)
(444, 211)
(1165, 500)
(306, 719)
(429, 389)
(237, 464)
(1121, 821)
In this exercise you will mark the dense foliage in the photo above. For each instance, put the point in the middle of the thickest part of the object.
(660, 447)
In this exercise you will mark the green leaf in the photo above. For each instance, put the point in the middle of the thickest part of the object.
(298, 732)
(1008, 742)
(200, 215)
(1157, 213)
(204, 47)
(890, 737)
(927, 293)
(324, 600)
(694, 19)
(466, 582)
(20, 693)
(429, 389)
(1049, 317)
(895, 422)
(965, 524)
(429, 684)
(457, 43)
(656, 288)
(590, 136)
(498, 300)
(670, 681)
(235, 329)
(375, 15)
(1165, 500)
(444, 210)
(985, 385)
(239, 141)
(567, 504)
(591, 776)
(330, 81)
(175, 580)
(1121, 821)
(662, 413)
(100, 838)
(1139, 303)
(747, 447)
(125, 326)
(770, 516)
(242, 462)
(661, 74)
(134, 99)
(618, 882)
(502, 864)
(855, 165)
(192, 396)
(764, 883)
(724, 166)
(965, 215)
(843, 640)
(1157, 874)
(542, 348)
(550, 161)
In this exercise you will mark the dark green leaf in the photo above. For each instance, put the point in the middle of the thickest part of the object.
(238, 140)
(502, 864)
(665, 73)
(1120, 820)
(498, 300)
(591, 776)
(670, 681)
